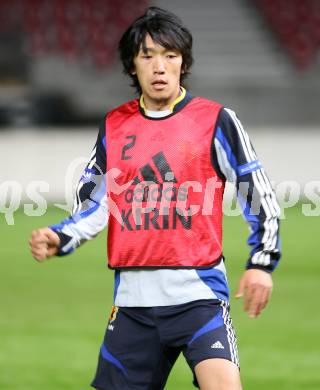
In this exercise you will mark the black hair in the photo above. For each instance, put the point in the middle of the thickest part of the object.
(165, 29)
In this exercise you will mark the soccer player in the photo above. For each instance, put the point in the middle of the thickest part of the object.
(156, 176)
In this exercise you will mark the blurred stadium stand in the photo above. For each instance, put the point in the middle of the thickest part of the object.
(58, 59)
(297, 25)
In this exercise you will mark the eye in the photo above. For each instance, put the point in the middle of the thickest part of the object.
(145, 56)
(172, 56)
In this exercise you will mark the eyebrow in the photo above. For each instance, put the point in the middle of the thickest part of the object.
(151, 50)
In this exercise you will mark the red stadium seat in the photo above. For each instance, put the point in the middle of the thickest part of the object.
(296, 23)
(72, 28)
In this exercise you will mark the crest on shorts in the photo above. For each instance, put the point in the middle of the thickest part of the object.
(113, 314)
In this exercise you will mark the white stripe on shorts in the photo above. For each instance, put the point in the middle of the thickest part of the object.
(232, 339)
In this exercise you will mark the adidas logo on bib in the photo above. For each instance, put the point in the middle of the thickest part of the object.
(217, 345)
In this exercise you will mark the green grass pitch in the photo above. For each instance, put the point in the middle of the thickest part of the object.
(53, 315)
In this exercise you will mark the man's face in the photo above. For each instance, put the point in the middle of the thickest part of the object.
(158, 71)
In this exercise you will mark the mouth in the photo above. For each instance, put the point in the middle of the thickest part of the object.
(159, 84)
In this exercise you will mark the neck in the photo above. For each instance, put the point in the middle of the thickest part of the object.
(161, 105)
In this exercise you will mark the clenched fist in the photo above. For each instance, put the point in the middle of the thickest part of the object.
(44, 243)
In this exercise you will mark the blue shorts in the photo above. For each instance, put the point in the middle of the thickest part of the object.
(141, 345)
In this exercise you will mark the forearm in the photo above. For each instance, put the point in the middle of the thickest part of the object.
(261, 211)
(81, 227)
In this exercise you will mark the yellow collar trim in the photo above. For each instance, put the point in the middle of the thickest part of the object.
(171, 108)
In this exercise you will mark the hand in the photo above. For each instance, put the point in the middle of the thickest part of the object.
(44, 243)
(256, 287)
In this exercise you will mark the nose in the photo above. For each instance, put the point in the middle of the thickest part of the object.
(158, 66)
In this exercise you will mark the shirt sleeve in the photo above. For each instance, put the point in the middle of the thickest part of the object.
(90, 210)
(235, 160)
